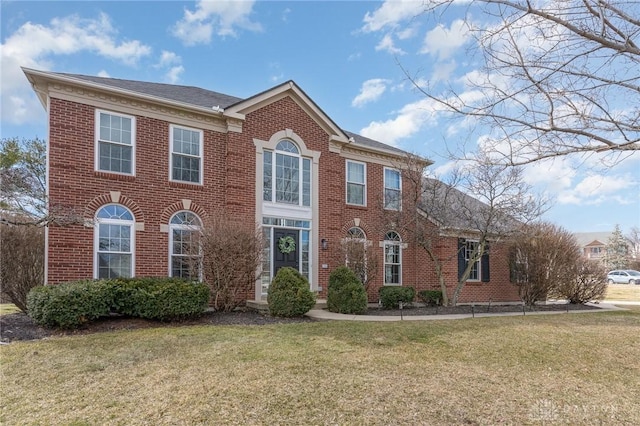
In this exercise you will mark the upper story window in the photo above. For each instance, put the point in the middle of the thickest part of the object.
(356, 183)
(184, 246)
(392, 259)
(186, 154)
(286, 175)
(114, 242)
(115, 142)
(392, 189)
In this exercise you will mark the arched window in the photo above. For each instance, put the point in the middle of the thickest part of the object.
(392, 259)
(287, 178)
(355, 250)
(115, 242)
(184, 246)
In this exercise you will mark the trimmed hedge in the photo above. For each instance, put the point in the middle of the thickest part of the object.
(289, 294)
(431, 297)
(72, 304)
(390, 297)
(346, 294)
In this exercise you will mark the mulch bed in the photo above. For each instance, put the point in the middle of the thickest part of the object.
(18, 326)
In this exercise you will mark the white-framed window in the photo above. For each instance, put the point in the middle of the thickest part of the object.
(115, 142)
(469, 247)
(286, 175)
(114, 242)
(356, 183)
(355, 251)
(392, 189)
(184, 245)
(392, 259)
(186, 154)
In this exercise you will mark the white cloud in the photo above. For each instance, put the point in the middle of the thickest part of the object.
(285, 14)
(34, 46)
(443, 42)
(169, 58)
(173, 74)
(407, 33)
(103, 73)
(391, 13)
(173, 63)
(371, 91)
(386, 44)
(442, 71)
(222, 17)
(597, 189)
(354, 56)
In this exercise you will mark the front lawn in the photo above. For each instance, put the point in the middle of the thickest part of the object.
(558, 369)
(623, 292)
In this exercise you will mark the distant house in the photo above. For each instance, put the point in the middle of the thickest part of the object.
(593, 245)
(144, 163)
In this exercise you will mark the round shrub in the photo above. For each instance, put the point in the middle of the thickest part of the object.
(431, 297)
(346, 294)
(70, 305)
(390, 297)
(289, 294)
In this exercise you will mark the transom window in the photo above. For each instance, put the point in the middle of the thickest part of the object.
(186, 154)
(115, 142)
(392, 189)
(392, 259)
(184, 246)
(356, 183)
(114, 242)
(286, 175)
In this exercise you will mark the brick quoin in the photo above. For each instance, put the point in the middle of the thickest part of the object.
(229, 186)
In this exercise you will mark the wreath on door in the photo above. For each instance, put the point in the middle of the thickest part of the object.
(287, 244)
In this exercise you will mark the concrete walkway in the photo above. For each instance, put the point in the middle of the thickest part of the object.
(326, 315)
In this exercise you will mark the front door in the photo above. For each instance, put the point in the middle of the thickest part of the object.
(285, 249)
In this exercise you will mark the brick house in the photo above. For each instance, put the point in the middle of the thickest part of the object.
(143, 163)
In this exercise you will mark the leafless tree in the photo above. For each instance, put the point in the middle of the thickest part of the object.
(634, 242)
(21, 261)
(355, 253)
(481, 202)
(231, 250)
(558, 77)
(543, 256)
(587, 284)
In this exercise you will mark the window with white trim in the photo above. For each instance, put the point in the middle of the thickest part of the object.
(392, 189)
(114, 242)
(115, 142)
(356, 183)
(355, 251)
(184, 245)
(392, 259)
(186, 154)
(469, 247)
(286, 175)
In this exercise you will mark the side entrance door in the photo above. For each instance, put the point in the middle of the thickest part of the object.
(285, 249)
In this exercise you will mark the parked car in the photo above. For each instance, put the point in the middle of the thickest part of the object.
(628, 276)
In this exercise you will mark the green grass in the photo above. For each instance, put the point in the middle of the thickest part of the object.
(8, 308)
(557, 369)
(623, 292)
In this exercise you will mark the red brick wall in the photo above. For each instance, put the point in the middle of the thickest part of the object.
(229, 186)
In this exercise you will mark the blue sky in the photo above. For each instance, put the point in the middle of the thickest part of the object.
(345, 55)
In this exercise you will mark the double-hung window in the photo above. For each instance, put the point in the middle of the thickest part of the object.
(392, 189)
(468, 253)
(286, 175)
(114, 242)
(184, 246)
(392, 259)
(186, 154)
(469, 248)
(115, 142)
(356, 183)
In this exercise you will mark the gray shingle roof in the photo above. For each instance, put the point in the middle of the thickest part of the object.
(202, 98)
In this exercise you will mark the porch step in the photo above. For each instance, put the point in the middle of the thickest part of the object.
(262, 306)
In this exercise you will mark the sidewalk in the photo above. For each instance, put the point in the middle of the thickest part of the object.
(326, 315)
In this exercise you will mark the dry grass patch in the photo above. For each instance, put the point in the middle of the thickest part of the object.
(569, 369)
(8, 308)
(624, 292)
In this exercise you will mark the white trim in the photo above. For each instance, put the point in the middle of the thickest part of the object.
(96, 145)
(96, 237)
(347, 182)
(46, 192)
(400, 246)
(200, 150)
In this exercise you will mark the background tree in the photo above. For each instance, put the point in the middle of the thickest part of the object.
(617, 256)
(557, 77)
(481, 200)
(634, 241)
(542, 256)
(231, 252)
(588, 283)
(21, 261)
